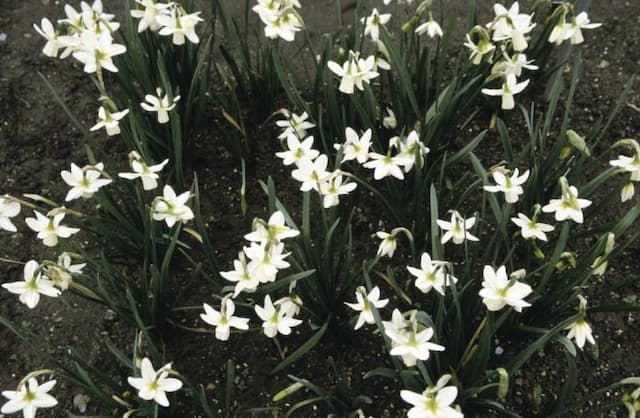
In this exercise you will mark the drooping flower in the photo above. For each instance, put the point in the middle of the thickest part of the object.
(412, 150)
(363, 305)
(224, 320)
(49, 228)
(148, 174)
(498, 291)
(172, 208)
(512, 65)
(8, 209)
(511, 186)
(581, 21)
(390, 241)
(29, 397)
(154, 385)
(530, 228)
(434, 401)
(569, 206)
(33, 285)
(458, 229)
(430, 27)
(432, 274)
(581, 332)
(483, 48)
(109, 120)
(389, 121)
(180, 25)
(61, 274)
(161, 104)
(84, 181)
(510, 87)
(275, 320)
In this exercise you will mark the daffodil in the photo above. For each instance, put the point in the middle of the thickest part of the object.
(224, 320)
(148, 174)
(511, 186)
(389, 121)
(275, 320)
(532, 229)
(47, 31)
(96, 52)
(498, 291)
(241, 277)
(29, 397)
(430, 27)
(84, 182)
(267, 258)
(363, 304)
(33, 285)
(569, 206)
(434, 401)
(581, 21)
(160, 104)
(49, 228)
(385, 165)
(8, 209)
(354, 72)
(333, 188)
(510, 87)
(172, 208)
(373, 22)
(483, 48)
(149, 14)
(457, 229)
(511, 25)
(61, 274)
(179, 25)
(298, 152)
(432, 274)
(109, 120)
(154, 385)
(272, 230)
(356, 147)
(411, 342)
(294, 124)
(312, 173)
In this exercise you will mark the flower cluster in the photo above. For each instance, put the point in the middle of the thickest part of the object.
(169, 19)
(280, 18)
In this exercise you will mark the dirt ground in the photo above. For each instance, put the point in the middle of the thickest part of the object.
(37, 141)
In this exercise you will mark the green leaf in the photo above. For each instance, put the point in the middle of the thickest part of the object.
(300, 351)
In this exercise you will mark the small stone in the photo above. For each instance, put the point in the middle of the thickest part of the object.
(603, 64)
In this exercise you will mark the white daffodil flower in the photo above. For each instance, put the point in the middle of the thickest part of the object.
(272, 230)
(312, 173)
(49, 228)
(511, 25)
(581, 21)
(275, 320)
(512, 65)
(432, 274)
(363, 305)
(510, 87)
(373, 22)
(389, 121)
(161, 104)
(241, 277)
(267, 258)
(333, 188)
(389, 241)
(48, 32)
(298, 152)
(290, 305)
(149, 14)
(498, 291)
(147, 173)
(581, 332)
(560, 32)
(568, 206)
(294, 124)
(280, 18)
(411, 342)
(172, 208)
(531, 229)
(224, 320)
(8, 209)
(84, 182)
(434, 401)
(511, 186)
(627, 192)
(355, 147)
(33, 285)
(354, 72)
(109, 120)
(61, 274)
(458, 229)
(430, 27)
(628, 164)
(96, 52)
(479, 50)
(29, 398)
(412, 150)
(95, 19)
(385, 165)
(179, 25)
(154, 385)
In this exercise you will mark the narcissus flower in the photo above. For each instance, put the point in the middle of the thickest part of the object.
(333, 188)
(385, 165)
(510, 87)
(511, 25)
(96, 52)
(581, 332)
(390, 241)
(581, 21)
(84, 181)
(298, 152)
(172, 208)
(372, 23)
(109, 120)
(356, 147)
(154, 385)
(411, 341)
(363, 304)
(224, 320)
(47, 31)
(294, 124)
(511, 186)
(149, 14)
(434, 401)
(312, 173)
(389, 121)
(279, 18)
(458, 229)
(498, 291)
(61, 274)
(432, 274)
(266, 259)
(483, 48)
(49, 228)
(8, 209)
(147, 173)
(430, 27)
(29, 398)
(568, 206)
(532, 229)
(161, 104)
(179, 25)
(272, 230)
(241, 276)
(275, 320)
(354, 72)
(33, 285)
